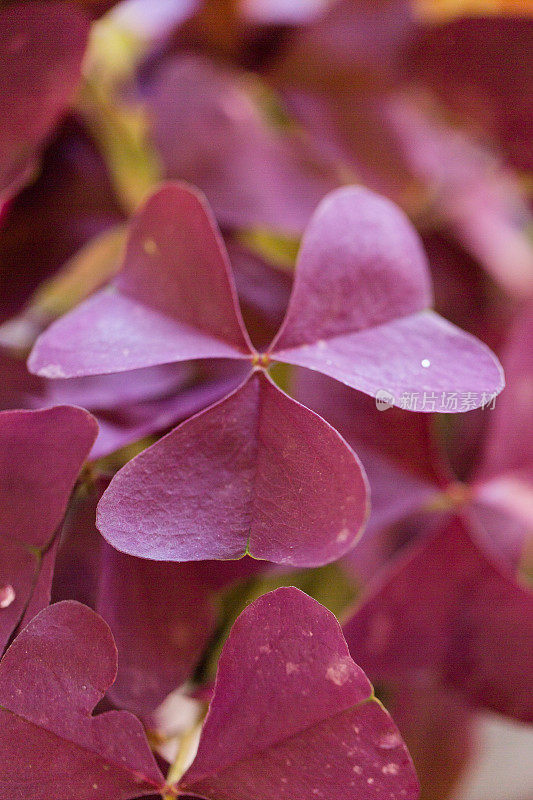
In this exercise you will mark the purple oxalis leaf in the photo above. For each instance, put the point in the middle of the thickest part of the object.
(174, 300)
(255, 473)
(359, 308)
(41, 454)
(41, 51)
(449, 609)
(293, 716)
(210, 131)
(51, 678)
(358, 312)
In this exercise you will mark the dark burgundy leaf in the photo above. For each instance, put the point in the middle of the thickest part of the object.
(41, 453)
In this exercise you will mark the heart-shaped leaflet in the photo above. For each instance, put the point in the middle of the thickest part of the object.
(51, 678)
(293, 716)
(256, 473)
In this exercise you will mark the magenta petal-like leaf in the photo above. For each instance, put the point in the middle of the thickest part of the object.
(41, 453)
(51, 678)
(174, 299)
(41, 51)
(256, 473)
(361, 264)
(449, 609)
(359, 311)
(293, 716)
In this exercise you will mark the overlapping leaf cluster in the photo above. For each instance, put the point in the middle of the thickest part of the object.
(253, 256)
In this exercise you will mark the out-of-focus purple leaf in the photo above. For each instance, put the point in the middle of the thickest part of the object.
(174, 299)
(255, 473)
(402, 461)
(123, 426)
(210, 131)
(51, 677)
(358, 311)
(449, 609)
(502, 485)
(293, 716)
(128, 406)
(70, 203)
(162, 616)
(509, 443)
(42, 588)
(18, 569)
(263, 291)
(492, 89)
(41, 50)
(474, 193)
(439, 729)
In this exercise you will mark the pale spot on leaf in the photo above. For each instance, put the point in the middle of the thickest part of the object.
(339, 671)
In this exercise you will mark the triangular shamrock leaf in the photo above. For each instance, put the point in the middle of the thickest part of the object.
(41, 454)
(257, 472)
(293, 716)
(41, 51)
(448, 608)
(51, 678)
(359, 310)
(174, 299)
